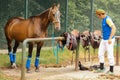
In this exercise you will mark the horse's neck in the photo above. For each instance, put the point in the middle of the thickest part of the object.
(44, 21)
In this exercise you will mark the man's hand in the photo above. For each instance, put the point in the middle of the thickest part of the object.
(109, 41)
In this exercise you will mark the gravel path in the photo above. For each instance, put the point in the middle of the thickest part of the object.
(63, 73)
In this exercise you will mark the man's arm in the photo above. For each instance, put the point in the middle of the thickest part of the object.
(113, 29)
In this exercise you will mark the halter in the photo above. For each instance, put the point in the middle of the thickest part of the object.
(57, 18)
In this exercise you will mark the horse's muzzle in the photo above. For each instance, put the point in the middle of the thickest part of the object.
(58, 28)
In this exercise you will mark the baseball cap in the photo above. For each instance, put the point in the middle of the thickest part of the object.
(99, 11)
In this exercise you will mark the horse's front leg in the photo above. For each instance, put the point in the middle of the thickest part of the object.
(14, 54)
(37, 59)
(30, 48)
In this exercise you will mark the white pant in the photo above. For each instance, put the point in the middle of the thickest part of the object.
(104, 46)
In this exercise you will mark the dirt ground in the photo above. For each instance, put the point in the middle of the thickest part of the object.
(63, 73)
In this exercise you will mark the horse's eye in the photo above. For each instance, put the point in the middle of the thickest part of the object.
(53, 14)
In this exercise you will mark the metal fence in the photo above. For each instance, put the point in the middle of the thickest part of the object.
(79, 15)
(12, 8)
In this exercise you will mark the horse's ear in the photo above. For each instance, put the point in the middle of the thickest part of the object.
(58, 5)
(53, 5)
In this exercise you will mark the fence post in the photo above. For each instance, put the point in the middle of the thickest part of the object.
(117, 51)
(77, 56)
(26, 9)
(23, 60)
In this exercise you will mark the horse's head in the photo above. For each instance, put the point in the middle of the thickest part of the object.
(54, 16)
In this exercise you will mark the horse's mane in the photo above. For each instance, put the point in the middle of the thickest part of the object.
(38, 15)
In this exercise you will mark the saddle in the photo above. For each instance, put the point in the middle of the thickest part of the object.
(94, 67)
(70, 41)
(91, 68)
(81, 67)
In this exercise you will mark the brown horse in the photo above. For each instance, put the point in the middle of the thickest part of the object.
(19, 29)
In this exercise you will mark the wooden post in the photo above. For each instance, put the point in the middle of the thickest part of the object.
(77, 56)
(117, 51)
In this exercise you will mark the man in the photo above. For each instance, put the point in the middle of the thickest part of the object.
(107, 42)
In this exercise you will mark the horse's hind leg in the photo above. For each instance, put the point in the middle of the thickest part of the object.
(9, 43)
(14, 53)
(39, 45)
(29, 57)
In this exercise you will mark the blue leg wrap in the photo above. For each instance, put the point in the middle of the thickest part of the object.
(28, 62)
(11, 56)
(37, 62)
(14, 58)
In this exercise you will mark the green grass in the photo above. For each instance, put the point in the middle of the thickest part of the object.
(47, 57)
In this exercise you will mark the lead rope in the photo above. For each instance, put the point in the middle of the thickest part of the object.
(55, 50)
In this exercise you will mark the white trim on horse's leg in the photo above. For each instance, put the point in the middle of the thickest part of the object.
(14, 65)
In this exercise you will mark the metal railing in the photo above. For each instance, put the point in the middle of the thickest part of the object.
(24, 51)
(38, 40)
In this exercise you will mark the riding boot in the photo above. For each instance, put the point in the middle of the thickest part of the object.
(111, 68)
(101, 66)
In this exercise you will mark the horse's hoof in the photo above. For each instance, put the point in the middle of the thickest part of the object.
(37, 70)
(13, 66)
(28, 71)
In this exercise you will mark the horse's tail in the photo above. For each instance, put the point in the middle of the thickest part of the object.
(9, 23)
